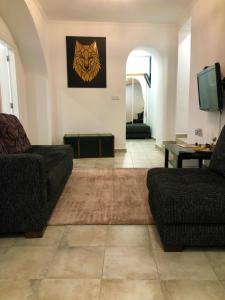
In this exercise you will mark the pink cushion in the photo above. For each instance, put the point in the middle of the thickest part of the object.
(13, 138)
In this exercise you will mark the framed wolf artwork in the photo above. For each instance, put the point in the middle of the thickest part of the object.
(86, 62)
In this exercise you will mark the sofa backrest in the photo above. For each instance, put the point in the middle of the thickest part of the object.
(217, 162)
(13, 138)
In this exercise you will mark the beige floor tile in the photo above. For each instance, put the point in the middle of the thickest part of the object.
(3, 250)
(154, 237)
(69, 289)
(7, 242)
(15, 290)
(122, 154)
(131, 290)
(129, 263)
(141, 156)
(84, 236)
(85, 160)
(105, 160)
(142, 152)
(183, 265)
(217, 261)
(25, 262)
(125, 160)
(52, 237)
(128, 235)
(157, 165)
(78, 165)
(123, 165)
(104, 166)
(142, 165)
(193, 290)
(80, 262)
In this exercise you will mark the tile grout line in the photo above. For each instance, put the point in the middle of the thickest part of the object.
(100, 288)
(159, 280)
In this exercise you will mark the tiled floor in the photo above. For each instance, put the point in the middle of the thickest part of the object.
(140, 154)
(108, 262)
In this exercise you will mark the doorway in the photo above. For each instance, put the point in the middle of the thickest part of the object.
(8, 84)
(138, 84)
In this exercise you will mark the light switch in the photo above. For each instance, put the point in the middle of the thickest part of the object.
(116, 98)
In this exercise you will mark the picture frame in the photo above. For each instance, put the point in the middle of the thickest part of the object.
(86, 62)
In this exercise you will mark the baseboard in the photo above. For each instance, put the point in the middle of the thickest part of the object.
(120, 150)
(181, 135)
(168, 142)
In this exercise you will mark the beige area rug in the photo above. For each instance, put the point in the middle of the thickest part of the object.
(104, 196)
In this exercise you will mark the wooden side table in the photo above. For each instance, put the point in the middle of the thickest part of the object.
(182, 153)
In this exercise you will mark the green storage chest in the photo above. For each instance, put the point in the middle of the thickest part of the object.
(91, 145)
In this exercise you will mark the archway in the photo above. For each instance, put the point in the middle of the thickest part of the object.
(151, 86)
(28, 41)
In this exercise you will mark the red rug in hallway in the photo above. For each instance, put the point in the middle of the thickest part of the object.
(104, 196)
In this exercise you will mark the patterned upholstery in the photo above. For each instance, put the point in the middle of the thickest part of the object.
(13, 138)
(30, 185)
(2, 147)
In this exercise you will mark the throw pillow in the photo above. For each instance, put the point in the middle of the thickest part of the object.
(13, 138)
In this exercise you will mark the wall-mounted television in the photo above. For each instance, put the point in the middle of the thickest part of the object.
(210, 88)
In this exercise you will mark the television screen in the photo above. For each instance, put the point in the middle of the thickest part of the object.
(210, 88)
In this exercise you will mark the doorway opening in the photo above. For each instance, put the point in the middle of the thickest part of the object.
(8, 84)
(138, 85)
(145, 95)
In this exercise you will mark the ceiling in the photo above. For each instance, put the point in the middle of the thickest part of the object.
(141, 11)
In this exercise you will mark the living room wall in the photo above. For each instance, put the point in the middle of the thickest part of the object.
(28, 40)
(6, 36)
(52, 108)
(183, 79)
(93, 110)
(208, 23)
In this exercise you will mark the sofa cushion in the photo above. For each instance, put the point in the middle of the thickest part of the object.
(3, 149)
(186, 196)
(217, 163)
(13, 138)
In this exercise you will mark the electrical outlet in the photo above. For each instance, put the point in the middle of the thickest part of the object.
(198, 132)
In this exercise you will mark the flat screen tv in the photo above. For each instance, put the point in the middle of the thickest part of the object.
(210, 88)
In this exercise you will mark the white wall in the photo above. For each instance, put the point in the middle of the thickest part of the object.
(208, 23)
(134, 94)
(39, 94)
(183, 79)
(27, 27)
(158, 107)
(52, 108)
(6, 36)
(93, 110)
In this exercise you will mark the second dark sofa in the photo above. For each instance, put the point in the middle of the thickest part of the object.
(188, 205)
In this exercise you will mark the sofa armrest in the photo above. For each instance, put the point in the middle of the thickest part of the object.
(23, 192)
(42, 149)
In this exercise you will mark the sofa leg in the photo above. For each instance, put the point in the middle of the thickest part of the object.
(34, 234)
(173, 248)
